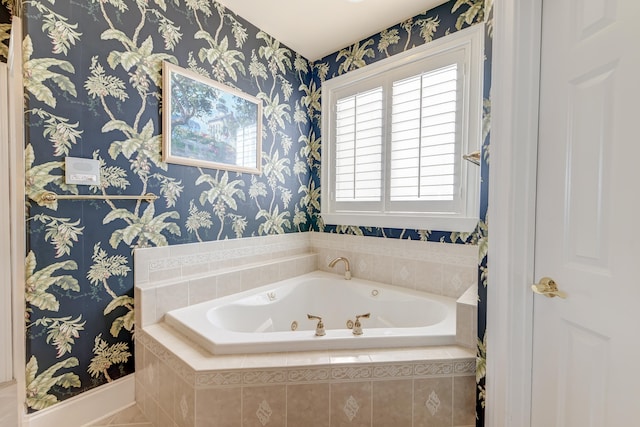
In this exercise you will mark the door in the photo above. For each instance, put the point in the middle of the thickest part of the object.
(586, 347)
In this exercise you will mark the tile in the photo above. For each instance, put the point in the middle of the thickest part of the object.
(429, 277)
(308, 405)
(183, 404)
(228, 283)
(457, 279)
(160, 275)
(351, 404)
(171, 297)
(404, 273)
(308, 358)
(167, 383)
(465, 333)
(392, 403)
(264, 360)
(433, 402)
(264, 406)
(464, 404)
(202, 289)
(219, 407)
(145, 300)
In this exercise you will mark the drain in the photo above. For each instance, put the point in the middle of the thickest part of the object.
(374, 293)
(294, 325)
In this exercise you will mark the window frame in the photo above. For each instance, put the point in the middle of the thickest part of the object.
(470, 43)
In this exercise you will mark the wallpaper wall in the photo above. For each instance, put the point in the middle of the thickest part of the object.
(5, 27)
(92, 79)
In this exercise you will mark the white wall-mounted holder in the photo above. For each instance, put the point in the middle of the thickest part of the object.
(81, 171)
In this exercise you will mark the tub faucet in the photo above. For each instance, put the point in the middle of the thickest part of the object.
(319, 327)
(357, 326)
(347, 267)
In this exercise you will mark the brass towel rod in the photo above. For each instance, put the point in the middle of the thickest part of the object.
(49, 197)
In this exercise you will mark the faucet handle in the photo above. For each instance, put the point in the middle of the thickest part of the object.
(357, 326)
(319, 327)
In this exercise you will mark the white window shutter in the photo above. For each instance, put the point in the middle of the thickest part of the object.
(423, 136)
(358, 158)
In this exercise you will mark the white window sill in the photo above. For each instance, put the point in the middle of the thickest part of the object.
(403, 221)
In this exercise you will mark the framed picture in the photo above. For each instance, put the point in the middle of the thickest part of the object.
(208, 124)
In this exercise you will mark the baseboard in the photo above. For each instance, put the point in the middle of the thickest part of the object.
(87, 407)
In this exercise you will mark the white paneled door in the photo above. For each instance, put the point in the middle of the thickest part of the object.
(587, 346)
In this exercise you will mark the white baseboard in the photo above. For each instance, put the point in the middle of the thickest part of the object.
(87, 407)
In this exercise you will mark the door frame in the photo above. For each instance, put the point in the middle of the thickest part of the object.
(16, 173)
(512, 196)
(6, 334)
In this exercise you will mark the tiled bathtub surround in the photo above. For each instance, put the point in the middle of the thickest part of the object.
(180, 384)
(173, 277)
(440, 268)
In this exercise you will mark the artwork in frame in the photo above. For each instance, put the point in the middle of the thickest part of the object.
(209, 124)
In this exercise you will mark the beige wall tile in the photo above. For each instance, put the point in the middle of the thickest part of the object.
(228, 283)
(464, 406)
(171, 297)
(164, 419)
(433, 402)
(202, 289)
(429, 277)
(465, 333)
(308, 405)
(218, 407)
(457, 279)
(165, 274)
(392, 403)
(351, 404)
(167, 381)
(264, 406)
(184, 404)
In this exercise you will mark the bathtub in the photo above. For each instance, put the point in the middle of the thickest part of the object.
(273, 318)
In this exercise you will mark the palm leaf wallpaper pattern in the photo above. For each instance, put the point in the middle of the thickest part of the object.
(92, 81)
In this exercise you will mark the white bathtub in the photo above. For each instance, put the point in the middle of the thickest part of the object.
(260, 320)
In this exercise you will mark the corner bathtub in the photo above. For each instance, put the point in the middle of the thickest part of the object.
(261, 320)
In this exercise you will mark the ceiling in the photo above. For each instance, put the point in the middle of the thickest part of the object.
(317, 29)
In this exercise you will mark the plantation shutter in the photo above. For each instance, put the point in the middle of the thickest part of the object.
(359, 147)
(424, 138)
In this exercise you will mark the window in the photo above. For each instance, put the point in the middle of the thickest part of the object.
(395, 133)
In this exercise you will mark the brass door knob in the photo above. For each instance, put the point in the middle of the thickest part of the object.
(547, 287)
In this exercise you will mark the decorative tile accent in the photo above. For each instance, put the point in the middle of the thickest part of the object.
(184, 407)
(265, 377)
(218, 378)
(392, 371)
(433, 403)
(431, 369)
(351, 372)
(351, 408)
(264, 412)
(308, 375)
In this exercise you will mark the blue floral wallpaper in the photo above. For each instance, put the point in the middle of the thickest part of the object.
(93, 81)
(5, 27)
(93, 86)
